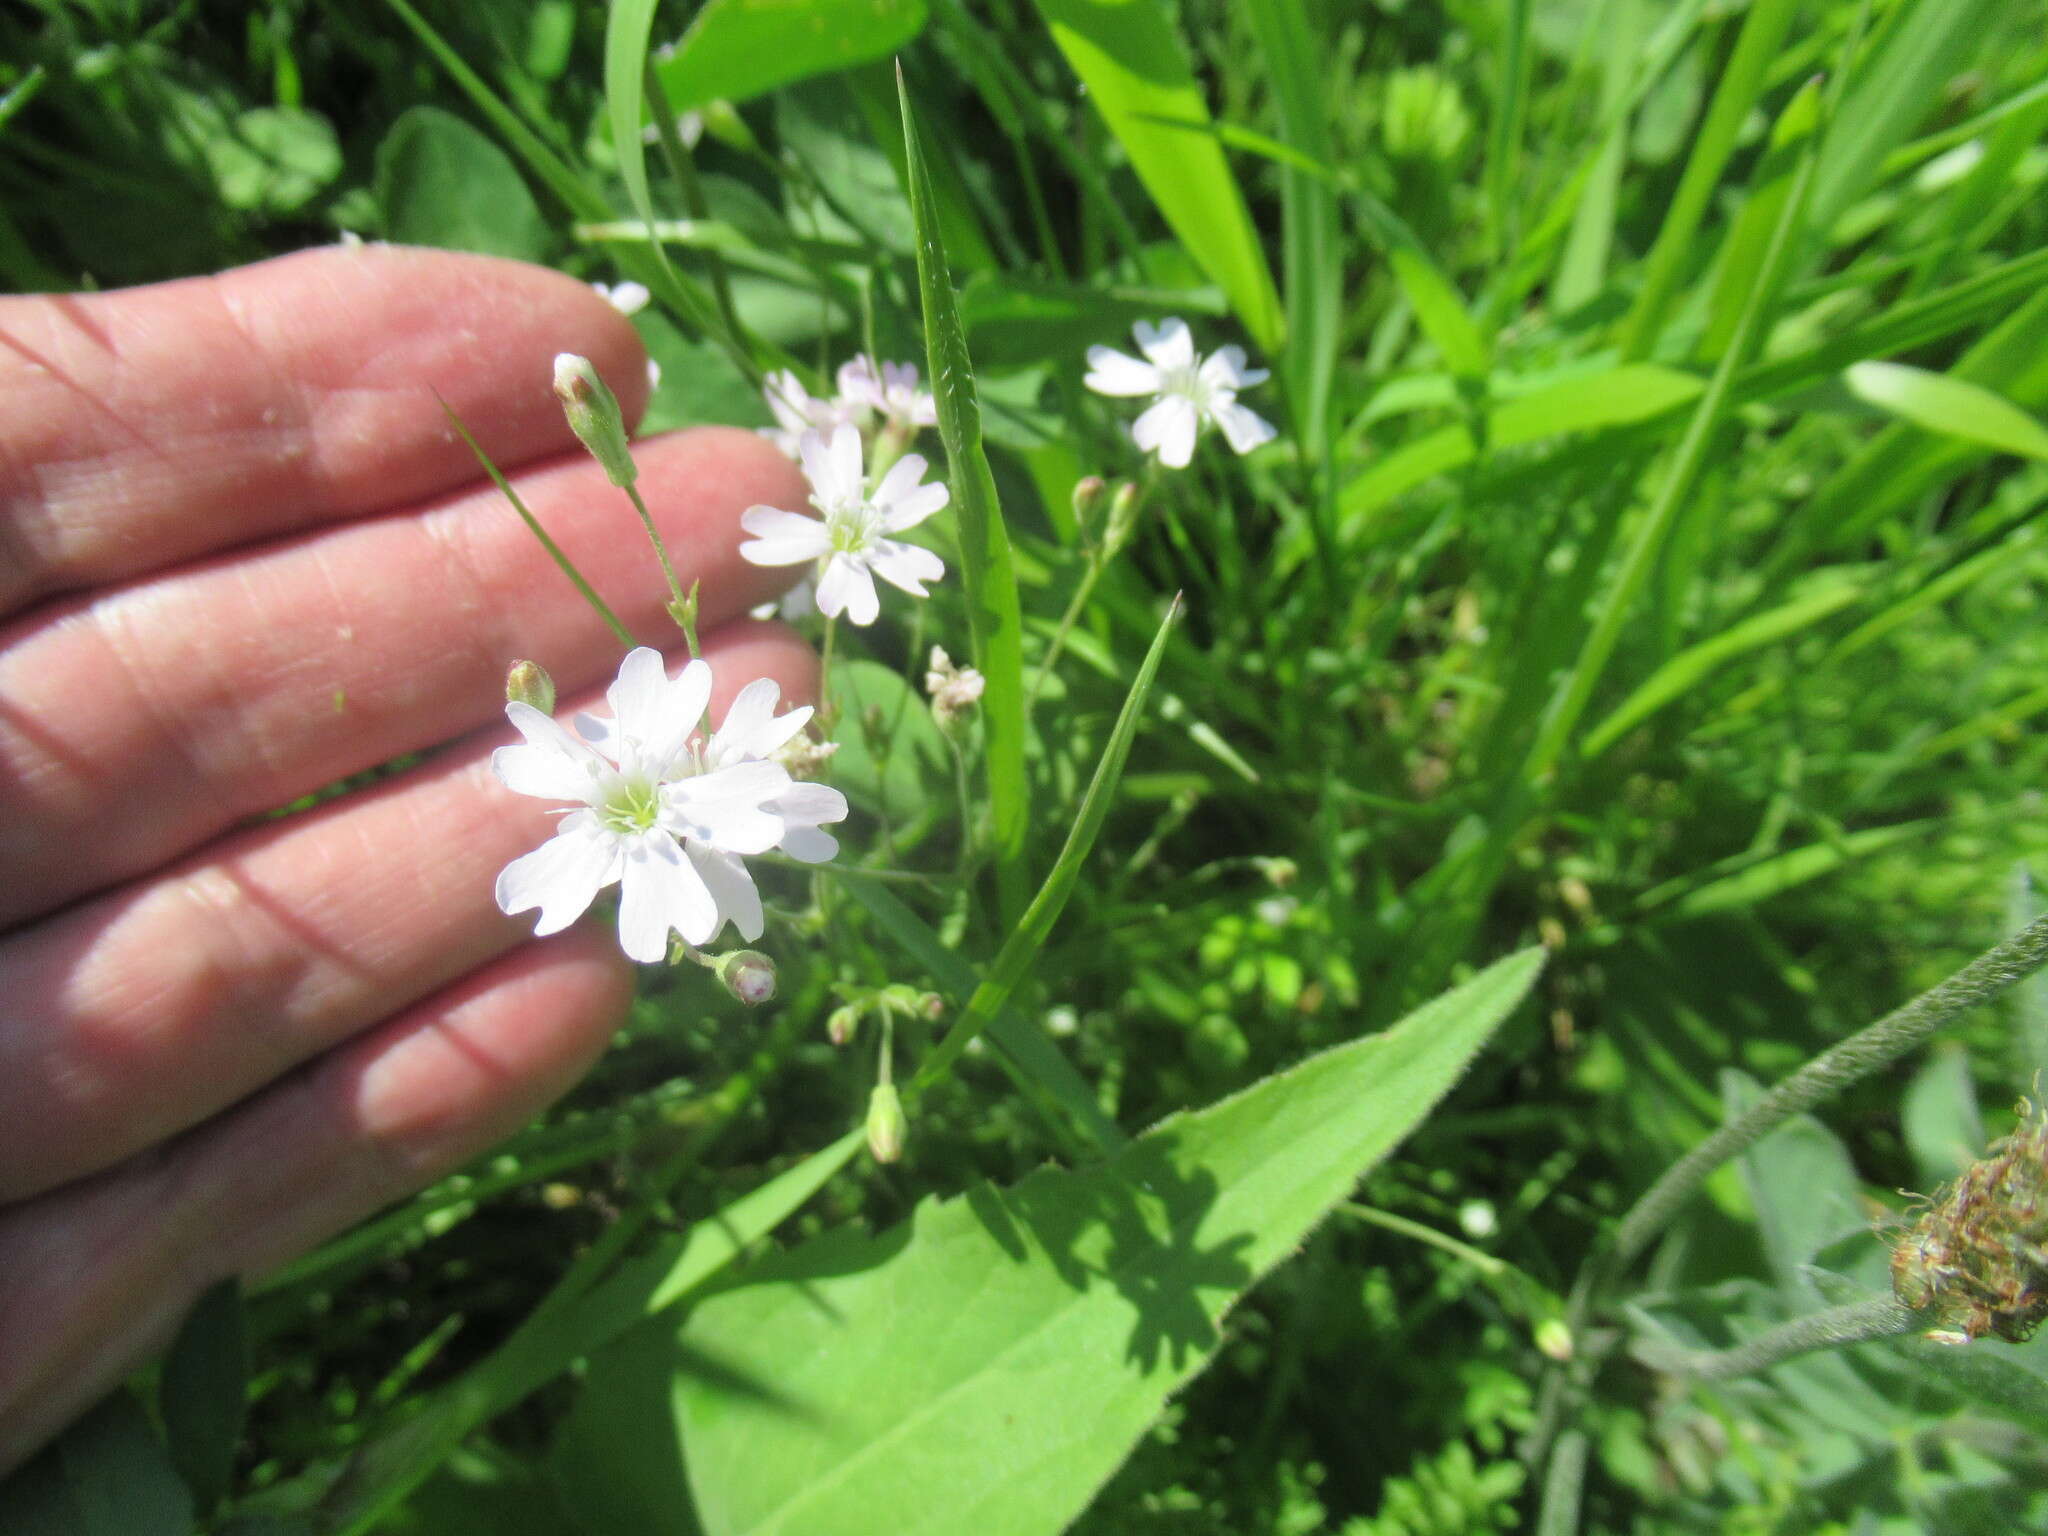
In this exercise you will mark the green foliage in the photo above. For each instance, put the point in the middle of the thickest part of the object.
(1009, 1344)
(1649, 564)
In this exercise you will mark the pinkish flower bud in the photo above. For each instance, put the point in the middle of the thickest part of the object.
(748, 975)
(528, 683)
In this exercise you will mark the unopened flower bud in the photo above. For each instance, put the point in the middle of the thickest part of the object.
(954, 690)
(528, 683)
(1087, 497)
(932, 1006)
(748, 975)
(1280, 872)
(841, 1024)
(721, 119)
(886, 1123)
(1123, 517)
(1554, 1339)
(802, 757)
(593, 412)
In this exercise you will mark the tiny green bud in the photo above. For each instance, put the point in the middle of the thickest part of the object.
(1087, 497)
(748, 975)
(593, 412)
(684, 611)
(528, 683)
(1554, 1339)
(1123, 517)
(724, 123)
(841, 1023)
(886, 1123)
(932, 1006)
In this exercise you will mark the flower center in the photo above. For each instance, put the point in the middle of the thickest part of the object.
(1186, 381)
(631, 805)
(852, 529)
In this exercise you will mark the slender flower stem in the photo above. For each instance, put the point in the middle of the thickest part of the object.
(1856, 1323)
(1485, 1263)
(828, 707)
(1868, 1050)
(684, 171)
(966, 795)
(668, 570)
(1097, 563)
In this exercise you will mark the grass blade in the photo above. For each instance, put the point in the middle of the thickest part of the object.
(1311, 252)
(987, 571)
(1137, 74)
(1030, 934)
(1742, 82)
(1935, 402)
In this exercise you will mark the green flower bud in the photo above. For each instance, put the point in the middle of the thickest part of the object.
(528, 683)
(841, 1023)
(886, 1123)
(594, 416)
(1123, 517)
(748, 975)
(1087, 497)
(1554, 1339)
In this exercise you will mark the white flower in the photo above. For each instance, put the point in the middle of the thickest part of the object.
(1187, 391)
(628, 298)
(851, 545)
(797, 411)
(664, 813)
(954, 690)
(891, 390)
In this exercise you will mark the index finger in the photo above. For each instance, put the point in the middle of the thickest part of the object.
(152, 425)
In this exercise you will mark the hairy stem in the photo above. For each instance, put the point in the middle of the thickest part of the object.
(1856, 1323)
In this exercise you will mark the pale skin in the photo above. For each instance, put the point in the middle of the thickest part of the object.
(241, 557)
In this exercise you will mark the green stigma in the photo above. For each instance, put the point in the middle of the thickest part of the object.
(632, 806)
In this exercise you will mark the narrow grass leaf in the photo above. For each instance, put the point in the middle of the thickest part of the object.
(1439, 308)
(1137, 74)
(986, 1366)
(987, 571)
(1613, 397)
(1939, 402)
(1035, 926)
(1751, 880)
(1694, 665)
(1742, 83)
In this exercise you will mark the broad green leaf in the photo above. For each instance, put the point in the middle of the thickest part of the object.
(987, 1365)
(550, 1342)
(1940, 402)
(202, 1395)
(107, 1475)
(443, 183)
(736, 50)
(994, 617)
(1801, 1185)
(1136, 70)
(1939, 1115)
(1693, 666)
(891, 756)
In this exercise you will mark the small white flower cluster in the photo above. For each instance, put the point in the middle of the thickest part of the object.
(870, 394)
(664, 813)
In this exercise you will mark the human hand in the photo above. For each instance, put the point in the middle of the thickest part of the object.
(242, 557)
